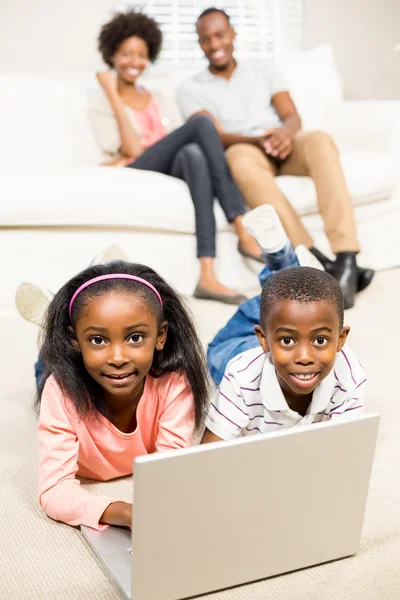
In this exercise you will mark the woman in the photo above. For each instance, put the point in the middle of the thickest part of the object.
(129, 128)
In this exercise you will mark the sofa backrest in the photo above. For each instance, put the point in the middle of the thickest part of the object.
(43, 118)
(43, 121)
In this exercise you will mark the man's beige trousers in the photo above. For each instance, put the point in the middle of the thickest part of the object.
(314, 154)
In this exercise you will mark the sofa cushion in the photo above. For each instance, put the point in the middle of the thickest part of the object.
(52, 117)
(314, 83)
(370, 177)
(143, 199)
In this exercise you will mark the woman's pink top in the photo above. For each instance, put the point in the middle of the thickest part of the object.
(95, 448)
(149, 121)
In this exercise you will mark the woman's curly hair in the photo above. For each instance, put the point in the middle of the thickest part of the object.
(124, 25)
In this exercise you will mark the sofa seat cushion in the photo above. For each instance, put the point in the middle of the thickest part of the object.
(104, 196)
(97, 196)
(370, 177)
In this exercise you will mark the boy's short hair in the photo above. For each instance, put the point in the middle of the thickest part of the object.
(301, 284)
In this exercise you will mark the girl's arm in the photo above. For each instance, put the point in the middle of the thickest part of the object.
(130, 141)
(60, 492)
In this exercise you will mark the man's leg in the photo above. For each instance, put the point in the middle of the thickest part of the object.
(316, 155)
(255, 174)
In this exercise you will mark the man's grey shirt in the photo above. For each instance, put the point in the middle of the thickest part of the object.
(242, 104)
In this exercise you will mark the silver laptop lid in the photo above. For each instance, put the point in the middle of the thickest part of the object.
(224, 514)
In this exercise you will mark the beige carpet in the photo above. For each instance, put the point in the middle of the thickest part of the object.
(41, 559)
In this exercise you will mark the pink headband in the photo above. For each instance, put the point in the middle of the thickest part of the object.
(112, 276)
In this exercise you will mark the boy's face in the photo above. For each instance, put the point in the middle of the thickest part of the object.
(303, 339)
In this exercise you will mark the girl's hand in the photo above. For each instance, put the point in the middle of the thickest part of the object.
(107, 80)
(118, 513)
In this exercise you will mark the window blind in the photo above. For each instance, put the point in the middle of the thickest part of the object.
(264, 27)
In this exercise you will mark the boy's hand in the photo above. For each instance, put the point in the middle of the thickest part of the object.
(278, 142)
(118, 513)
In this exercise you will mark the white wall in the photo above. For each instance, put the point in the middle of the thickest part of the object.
(60, 36)
(51, 35)
(363, 34)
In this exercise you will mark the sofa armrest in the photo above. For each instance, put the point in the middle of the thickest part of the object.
(370, 126)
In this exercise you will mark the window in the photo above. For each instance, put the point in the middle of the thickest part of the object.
(264, 27)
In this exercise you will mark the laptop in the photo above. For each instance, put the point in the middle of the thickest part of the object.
(228, 513)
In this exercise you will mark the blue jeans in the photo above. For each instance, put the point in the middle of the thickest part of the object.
(194, 153)
(238, 334)
(40, 371)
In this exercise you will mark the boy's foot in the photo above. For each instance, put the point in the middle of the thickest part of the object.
(32, 302)
(307, 259)
(265, 226)
(109, 254)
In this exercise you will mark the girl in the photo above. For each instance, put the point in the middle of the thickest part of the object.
(128, 125)
(126, 376)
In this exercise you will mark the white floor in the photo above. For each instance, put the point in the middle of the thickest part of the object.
(42, 559)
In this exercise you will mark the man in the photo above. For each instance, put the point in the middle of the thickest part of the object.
(260, 129)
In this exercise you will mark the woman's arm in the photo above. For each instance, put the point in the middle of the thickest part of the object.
(130, 141)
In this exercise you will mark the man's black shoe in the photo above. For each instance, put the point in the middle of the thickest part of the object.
(346, 274)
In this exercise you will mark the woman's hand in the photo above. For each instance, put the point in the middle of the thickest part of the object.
(107, 80)
(121, 161)
(118, 513)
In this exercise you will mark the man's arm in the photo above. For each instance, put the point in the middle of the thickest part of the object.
(275, 142)
(279, 141)
(287, 112)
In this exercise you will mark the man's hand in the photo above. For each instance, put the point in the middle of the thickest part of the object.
(107, 80)
(277, 142)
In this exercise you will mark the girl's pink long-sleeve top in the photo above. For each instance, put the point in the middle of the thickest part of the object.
(95, 448)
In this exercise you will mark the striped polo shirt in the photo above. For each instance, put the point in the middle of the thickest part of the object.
(250, 400)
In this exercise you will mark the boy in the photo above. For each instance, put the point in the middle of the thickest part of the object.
(302, 373)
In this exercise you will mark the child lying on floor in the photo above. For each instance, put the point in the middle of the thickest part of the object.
(297, 370)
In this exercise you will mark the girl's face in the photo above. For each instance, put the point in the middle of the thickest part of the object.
(131, 59)
(117, 335)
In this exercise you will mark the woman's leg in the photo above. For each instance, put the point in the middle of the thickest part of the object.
(201, 131)
(190, 165)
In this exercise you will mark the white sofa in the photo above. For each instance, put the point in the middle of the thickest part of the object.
(58, 207)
